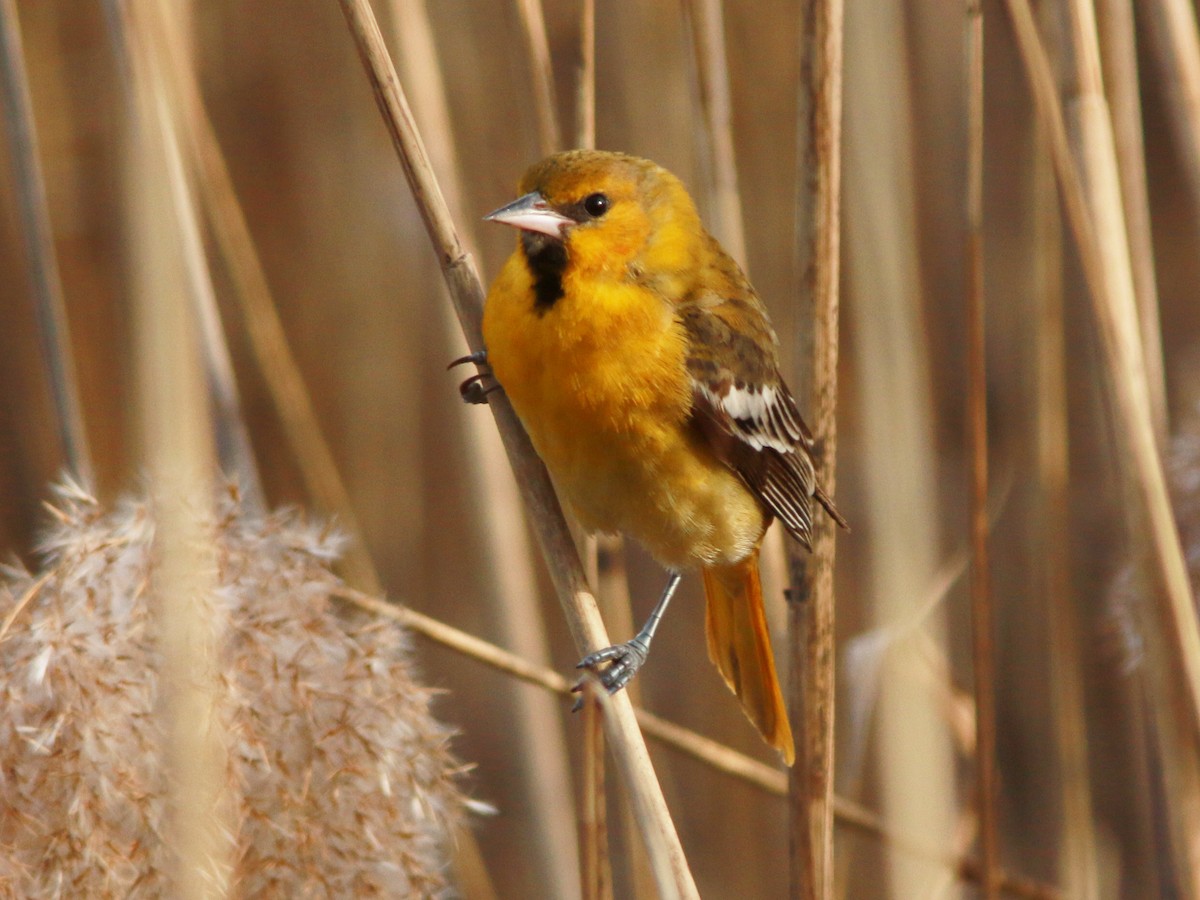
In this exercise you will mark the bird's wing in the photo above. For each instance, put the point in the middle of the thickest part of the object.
(743, 407)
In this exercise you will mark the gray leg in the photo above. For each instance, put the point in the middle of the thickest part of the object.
(625, 659)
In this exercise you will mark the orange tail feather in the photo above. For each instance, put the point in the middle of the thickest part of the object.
(740, 647)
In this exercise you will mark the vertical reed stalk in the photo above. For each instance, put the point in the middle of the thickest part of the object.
(1077, 849)
(916, 764)
(176, 439)
(629, 749)
(596, 868)
(541, 74)
(1172, 641)
(280, 370)
(811, 614)
(1175, 45)
(977, 444)
(1118, 49)
(235, 453)
(268, 340)
(1113, 315)
(513, 601)
(716, 104)
(259, 315)
(616, 607)
(585, 94)
(608, 550)
(50, 308)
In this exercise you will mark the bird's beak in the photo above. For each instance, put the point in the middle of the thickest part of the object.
(532, 213)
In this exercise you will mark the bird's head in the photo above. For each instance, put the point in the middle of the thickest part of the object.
(610, 212)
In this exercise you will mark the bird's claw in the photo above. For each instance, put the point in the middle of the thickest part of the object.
(479, 357)
(473, 389)
(623, 660)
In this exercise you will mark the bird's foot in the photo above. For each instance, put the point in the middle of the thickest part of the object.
(475, 389)
(623, 660)
(479, 357)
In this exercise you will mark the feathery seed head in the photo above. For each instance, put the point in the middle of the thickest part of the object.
(341, 779)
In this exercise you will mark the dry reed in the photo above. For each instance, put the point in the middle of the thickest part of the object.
(541, 74)
(176, 430)
(1122, 87)
(706, 20)
(53, 333)
(330, 737)
(721, 758)
(1105, 810)
(1170, 626)
(1078, 851)
(982, 641)
(1175, 46)
(1113, 316)
(895, 424)
(596, 870)
(666, 853)
(512, 596)
(811, 610)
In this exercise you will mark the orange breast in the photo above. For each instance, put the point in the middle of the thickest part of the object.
(600, 383)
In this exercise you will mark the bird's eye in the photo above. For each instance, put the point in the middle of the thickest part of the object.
(596, 205)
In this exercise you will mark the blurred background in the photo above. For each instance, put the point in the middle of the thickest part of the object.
(359, 293)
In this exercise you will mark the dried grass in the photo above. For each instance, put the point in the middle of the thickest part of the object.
(343, 781)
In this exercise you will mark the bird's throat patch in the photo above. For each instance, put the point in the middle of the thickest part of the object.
(547, 260)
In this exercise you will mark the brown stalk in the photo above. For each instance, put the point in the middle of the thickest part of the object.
(629, 749)
(49, 306)
(539, 742)
(236, 454)
(541, 74)
(597, 868)
(1118, 49)
(274, 356)
(891, 354)
(811, 614)
(267, 337)
(607, 551)
(176, 439)
(585, 95)
(712, 69)
(1175, 46)
(721, 758)
(1077, 853)
(616, 607)
(977, 443)
(1173, 645)
(1111, 306)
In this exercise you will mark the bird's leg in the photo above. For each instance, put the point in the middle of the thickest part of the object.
(473, 390)
(625, 659)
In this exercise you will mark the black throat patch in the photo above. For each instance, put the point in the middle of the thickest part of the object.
(547, 260)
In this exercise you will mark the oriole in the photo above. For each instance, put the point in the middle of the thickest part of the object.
(643, 365)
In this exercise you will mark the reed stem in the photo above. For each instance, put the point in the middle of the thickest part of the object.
(658, 831)
(811, 614)
(49, 306)
(977, 444)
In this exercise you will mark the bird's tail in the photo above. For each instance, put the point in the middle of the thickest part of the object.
(740, 647)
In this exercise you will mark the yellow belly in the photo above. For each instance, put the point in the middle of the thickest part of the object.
(600, 382)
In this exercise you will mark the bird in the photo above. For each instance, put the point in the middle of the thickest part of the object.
(645, 370)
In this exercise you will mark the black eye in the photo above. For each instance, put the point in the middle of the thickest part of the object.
(596, 205)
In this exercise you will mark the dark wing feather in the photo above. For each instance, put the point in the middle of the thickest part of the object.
(742, 406)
